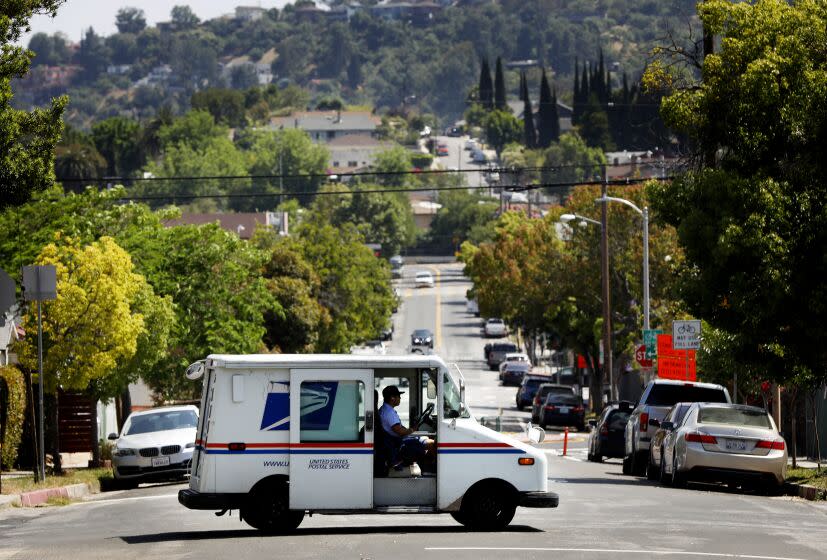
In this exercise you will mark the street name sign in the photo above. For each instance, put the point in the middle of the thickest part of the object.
(650, 340)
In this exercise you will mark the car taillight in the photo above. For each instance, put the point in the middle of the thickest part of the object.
(577, 409)
(551, 407)
(695, 437)
(604, 431)
(768, 444)
(536, 400)
(644, 421)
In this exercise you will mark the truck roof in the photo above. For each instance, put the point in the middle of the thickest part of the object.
(254, 361)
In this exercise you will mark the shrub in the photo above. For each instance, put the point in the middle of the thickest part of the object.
(12, 412)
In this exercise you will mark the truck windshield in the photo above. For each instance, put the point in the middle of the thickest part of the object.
(451, 397)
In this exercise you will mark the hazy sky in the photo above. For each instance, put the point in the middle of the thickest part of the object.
(76, 15)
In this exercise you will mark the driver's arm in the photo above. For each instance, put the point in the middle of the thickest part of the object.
(401, 430)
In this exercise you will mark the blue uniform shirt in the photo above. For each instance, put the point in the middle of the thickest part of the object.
(389, 418)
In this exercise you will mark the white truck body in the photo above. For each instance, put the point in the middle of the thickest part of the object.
(310, 420)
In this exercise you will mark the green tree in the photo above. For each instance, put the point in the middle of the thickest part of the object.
(486, 86)
(117, 139)
(751, 213)
(197, 128)
(549, 125)
(225, 105)
(529, 131)
(500, 102)
(354, 285)
(78, 162)
(130, 20)
(594, 125)
(50, 50)
(570, 161)
(183, 18)
(391, 165)
(463, 217)
(29, 137)
(93, 55)
(501, 128)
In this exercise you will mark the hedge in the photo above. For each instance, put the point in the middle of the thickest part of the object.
(13, 389)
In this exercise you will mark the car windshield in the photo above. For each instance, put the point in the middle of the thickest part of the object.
(617, 420)
(160, 421)
(504, 348)
(533, 383)
(557, 398)
(756, 418)
(422, 334)
(668, 395)
(495, 321)
(546, 389)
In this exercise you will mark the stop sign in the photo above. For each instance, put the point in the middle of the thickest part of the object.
(640, 356)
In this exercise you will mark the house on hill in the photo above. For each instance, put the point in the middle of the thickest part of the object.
(325, 126)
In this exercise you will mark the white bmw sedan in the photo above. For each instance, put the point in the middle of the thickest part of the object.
(155, 444)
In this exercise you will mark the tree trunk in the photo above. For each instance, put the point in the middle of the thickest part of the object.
(125, 409)
(793, 408)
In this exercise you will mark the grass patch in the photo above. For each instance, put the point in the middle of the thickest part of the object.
(95, 478)
(811, 477)
(58, 501)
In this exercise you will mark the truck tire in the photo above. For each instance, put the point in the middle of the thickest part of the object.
(627, 464)
(678, 478)
(267, 509)
(487, 507)
(652, 472)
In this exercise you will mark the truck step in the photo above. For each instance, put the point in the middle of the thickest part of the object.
(405, 509)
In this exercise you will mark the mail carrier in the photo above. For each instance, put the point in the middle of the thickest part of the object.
(283, 435)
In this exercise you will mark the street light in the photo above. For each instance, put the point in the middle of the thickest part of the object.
(604, 277)
(645, 214)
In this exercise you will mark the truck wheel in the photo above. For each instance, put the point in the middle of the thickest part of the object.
(487, 508)
(678, 478)
(268, 509)
(652, 472)
(627, 464)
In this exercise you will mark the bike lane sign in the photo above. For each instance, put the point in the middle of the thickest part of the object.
(686, 335)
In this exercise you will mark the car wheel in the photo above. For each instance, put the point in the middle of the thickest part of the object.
(488, 508)
(639, 463)
(268, 510)
(627, 464)
(665, 478)
(678, 478)
(459, 517)
(652, 472)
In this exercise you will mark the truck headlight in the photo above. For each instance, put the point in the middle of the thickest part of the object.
(123, 452)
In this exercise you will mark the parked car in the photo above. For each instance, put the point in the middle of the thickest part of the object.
(479, 156)
(528, 388)
(563, 410)
(722, 442)
(513, 357)
(497, 352)
(387, 333)
(424, 280)
(442, 149)
(540, 397)
(472, 307)
(494, 328)
(154, 445)
(674, 416)
(659, 396)
(606, 435)
(471, 144)
(513, 372)
(454, 132)
(422, 337)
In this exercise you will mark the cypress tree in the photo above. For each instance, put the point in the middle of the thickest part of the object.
(555, 118)
(547, 114)
(575, 113)
(522, 86)
(486, 87)
(499, 86)
(528, 116)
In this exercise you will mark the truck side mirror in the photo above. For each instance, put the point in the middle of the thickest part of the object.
(668, 426)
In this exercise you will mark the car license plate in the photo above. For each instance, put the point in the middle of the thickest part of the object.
(564, 410)
(160, 461)
(736, 445)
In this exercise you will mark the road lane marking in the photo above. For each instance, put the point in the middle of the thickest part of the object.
(614, 551)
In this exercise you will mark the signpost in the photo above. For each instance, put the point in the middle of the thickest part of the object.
(40, 283)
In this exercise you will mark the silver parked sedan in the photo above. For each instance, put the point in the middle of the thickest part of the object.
(720, 442)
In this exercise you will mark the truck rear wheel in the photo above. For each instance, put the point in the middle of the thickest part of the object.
(267, 509)
(487, 508)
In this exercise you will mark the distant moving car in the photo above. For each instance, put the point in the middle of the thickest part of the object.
(528, 388)
(454, 132)
(563, 410)
(722, 442)
(495, 328)
(471, 144)
(472, 307)
(513, 372)
(540, 397)
(495, 353)
(424, 280)
(657, 398)
(606, 436)
(675, 416)
(154, 445)
(422, 337)
(442, 149)
(479, 156)
(513, 357)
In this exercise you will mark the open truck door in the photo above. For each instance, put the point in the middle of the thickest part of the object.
(331, 439)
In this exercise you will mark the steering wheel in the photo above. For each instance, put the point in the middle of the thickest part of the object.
(426, 415)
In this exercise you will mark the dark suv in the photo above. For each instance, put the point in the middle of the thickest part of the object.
(528, 388)
(563, 410)
(496, 354)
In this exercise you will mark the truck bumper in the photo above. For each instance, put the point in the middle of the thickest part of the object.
(539, 499)
(197, 500)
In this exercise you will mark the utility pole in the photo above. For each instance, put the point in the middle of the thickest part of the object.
(607, 308)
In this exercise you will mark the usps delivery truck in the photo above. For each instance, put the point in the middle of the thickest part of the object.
(283, 435)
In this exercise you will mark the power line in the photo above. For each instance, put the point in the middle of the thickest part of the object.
(509, 188)
(502, 170)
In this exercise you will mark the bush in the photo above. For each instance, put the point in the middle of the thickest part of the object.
(13, 406)
(105, 449)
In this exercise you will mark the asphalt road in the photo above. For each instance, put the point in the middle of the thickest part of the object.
(602, 514)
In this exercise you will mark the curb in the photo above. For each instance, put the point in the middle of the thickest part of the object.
(38, 497)
(805, 491)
